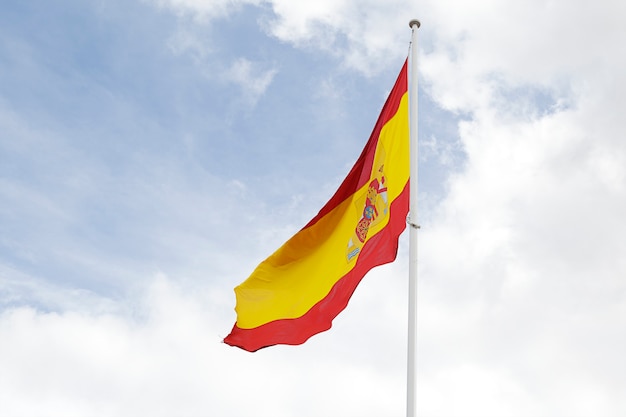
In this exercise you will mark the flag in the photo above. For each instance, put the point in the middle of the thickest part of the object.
(298, 291)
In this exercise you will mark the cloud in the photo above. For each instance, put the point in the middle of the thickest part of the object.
(165, 358)
(358, 33)
(522, 260)
(81, 363)
(204, 10)
(474, 52)
(252, 76)
(252, 79)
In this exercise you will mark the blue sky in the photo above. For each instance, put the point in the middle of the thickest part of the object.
(153, 152)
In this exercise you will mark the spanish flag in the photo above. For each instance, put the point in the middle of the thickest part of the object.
(299, 290)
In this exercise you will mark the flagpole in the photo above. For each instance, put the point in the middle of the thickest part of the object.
(412, 221)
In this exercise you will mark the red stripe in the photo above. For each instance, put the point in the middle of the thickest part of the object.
(380, 249)
(362, 169)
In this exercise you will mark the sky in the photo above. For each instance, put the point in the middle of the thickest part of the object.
(153, 152)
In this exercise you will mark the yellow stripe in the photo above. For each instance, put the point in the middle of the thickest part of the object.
(303, 271)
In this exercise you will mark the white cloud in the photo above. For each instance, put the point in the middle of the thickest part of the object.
(360, 32)
(166, 359)
(204, 10)
(251, 77)
(187, 42)
(522, 263)
(532, 44)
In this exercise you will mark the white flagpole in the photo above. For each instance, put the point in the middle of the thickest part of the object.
(412, 221)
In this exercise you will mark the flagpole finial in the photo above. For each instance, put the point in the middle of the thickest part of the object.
(415, 22)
